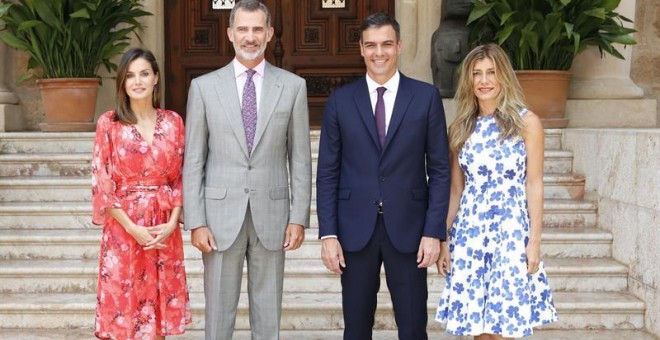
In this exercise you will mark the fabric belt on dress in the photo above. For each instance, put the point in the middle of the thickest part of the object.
(159, 185)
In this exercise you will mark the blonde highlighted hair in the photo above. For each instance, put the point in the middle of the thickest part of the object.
(510, 100)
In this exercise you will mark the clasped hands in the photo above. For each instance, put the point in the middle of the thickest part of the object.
(153, 237)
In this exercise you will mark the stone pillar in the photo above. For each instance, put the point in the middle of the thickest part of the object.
(10, 115)
(418, 19)
(596, 78)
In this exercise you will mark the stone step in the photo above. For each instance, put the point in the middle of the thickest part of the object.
(563, 186)
(38, 215)
(78, 164)
(78, 188)
(35, 142)
(51, 142)
(552, 139)
(556, 162)
(41, 164)
(25, 244)
(196, 334)
(318, 311)
(44, 189)
(301, 275)
(52, 215)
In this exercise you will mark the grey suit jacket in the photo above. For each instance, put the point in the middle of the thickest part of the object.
(220, 178)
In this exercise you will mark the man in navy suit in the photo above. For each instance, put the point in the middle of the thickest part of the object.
(381, 137)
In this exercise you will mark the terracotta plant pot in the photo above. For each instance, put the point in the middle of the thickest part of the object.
(546, 93)
(69, 103)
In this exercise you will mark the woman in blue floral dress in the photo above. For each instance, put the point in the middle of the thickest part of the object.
(496, 285)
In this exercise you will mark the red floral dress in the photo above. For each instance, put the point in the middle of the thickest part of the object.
(141, 294)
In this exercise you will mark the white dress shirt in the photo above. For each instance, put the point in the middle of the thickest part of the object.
(392, 86)
(241, 77)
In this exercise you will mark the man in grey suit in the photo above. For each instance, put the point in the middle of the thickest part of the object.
(247, 176)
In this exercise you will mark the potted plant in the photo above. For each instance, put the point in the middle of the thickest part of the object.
(542, 37)
(67, 41)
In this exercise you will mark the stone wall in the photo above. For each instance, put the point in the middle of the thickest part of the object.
(646, 54)
(621, 168)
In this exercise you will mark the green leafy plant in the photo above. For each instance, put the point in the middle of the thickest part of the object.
(547, 34)
(69, 38)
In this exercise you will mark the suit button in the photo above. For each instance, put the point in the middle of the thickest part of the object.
(382, 178)
(247, 190)
(249, 167)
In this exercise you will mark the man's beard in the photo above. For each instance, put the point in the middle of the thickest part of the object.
(250, 56)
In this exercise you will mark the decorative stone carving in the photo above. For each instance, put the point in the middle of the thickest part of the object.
(449, 45)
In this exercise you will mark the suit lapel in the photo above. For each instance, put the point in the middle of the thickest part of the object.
(271, 92)
(363, 103)
(228, 96)
(403, 98)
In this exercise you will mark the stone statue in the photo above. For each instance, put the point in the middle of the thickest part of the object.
(449, 45)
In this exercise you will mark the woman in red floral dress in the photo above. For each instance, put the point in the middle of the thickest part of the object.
(136, 196)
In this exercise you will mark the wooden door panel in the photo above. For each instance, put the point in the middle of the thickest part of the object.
(319, 44)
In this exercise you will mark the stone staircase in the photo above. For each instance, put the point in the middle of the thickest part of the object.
(49, 256)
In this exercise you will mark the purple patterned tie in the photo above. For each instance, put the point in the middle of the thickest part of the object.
(249, 109)
(380, 115)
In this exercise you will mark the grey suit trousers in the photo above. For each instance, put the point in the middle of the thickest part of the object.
(223, 271)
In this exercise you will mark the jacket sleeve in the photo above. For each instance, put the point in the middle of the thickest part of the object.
(438, 170)
(194, 162)
(300, 159)
(329, 165)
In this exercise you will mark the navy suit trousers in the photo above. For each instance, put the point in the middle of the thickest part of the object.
(361, 281)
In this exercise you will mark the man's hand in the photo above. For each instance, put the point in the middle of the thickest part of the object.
(332, 255)
(429, 251)
(203, 239)
(294, 237)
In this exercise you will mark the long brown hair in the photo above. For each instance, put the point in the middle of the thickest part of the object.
(123, 106)
(510, 100)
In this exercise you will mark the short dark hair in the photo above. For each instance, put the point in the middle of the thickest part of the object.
(378, 20)
(249, 6)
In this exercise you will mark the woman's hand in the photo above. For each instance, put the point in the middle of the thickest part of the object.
(533, 253)
(444, 261)
(143, 237)
(160, 233)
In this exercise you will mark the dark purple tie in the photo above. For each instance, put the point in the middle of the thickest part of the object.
(249, 109)
(380, 115)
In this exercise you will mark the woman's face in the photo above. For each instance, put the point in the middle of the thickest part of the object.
(140, 80)
(485, 85)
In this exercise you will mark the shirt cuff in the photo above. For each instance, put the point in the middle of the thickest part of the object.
(328, 236)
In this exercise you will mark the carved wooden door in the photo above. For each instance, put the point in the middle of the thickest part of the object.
(316, 39)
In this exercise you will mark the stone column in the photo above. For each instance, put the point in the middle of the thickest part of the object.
(10, 115)
(596, 78)
(418, 20)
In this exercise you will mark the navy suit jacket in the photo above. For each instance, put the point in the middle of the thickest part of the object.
(354, 173)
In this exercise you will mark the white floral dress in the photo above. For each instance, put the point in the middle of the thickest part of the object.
(488, 289)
